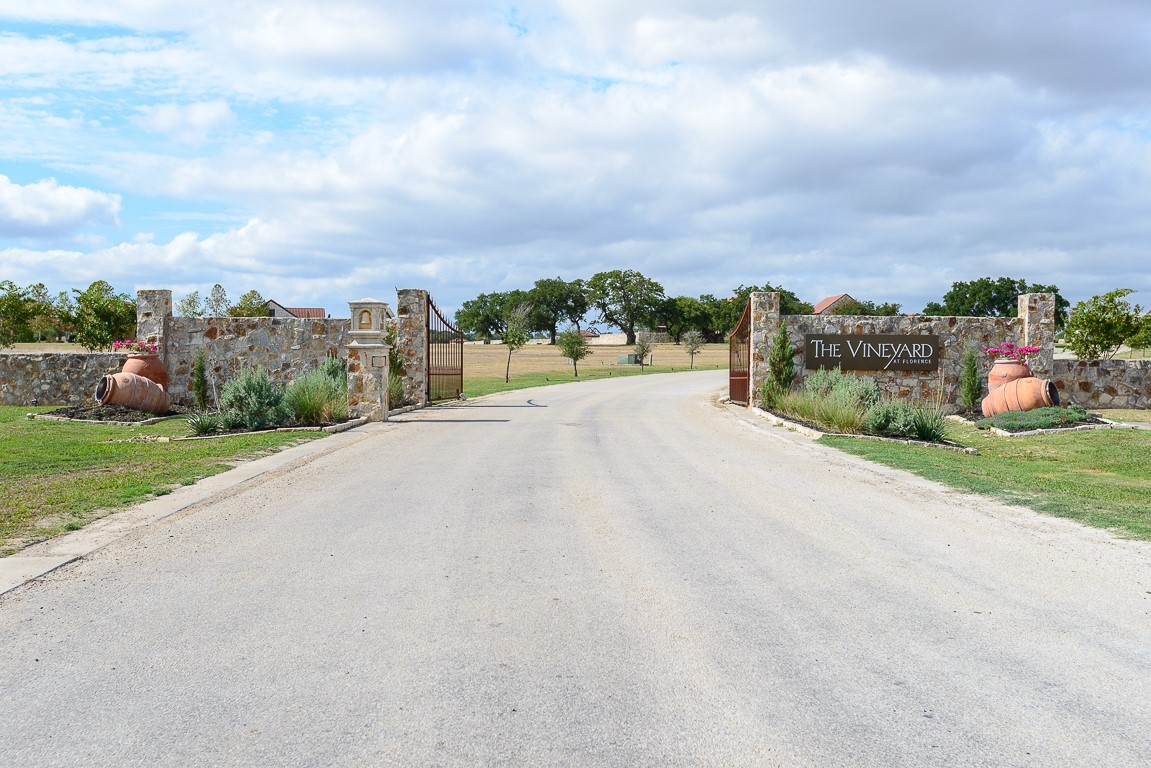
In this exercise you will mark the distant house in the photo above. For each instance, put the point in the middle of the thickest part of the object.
(825, 306)
(589, 333)
(279, 310)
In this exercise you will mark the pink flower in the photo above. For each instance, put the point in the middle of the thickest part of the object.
(1007, 349)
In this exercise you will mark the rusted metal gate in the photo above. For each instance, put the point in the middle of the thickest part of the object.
(445, 357)
(739, 348)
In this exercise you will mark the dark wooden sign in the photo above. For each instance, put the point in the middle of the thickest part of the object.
(870, 352)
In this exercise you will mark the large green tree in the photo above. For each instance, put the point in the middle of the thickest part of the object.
(556, 302)
(1102, 324)
(725, 313)
(626, 299)
(993, 297)
(864, 307)
(103, 316)
(680, 314)
(17, 313)
(190, 306)
(251, 304)
(485, 316)
(216, 305)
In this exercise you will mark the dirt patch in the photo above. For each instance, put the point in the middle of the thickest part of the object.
(95, 412)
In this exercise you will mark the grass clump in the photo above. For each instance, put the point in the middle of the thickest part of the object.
(833, 400)
(319, 396)
(1039, 418)
(204, 422)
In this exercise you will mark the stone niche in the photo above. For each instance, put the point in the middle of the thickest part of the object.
(367, 355)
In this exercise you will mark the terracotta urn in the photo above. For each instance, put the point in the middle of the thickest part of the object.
(132, 391)
(148, 366)
(1005, 371)
(1024, 394)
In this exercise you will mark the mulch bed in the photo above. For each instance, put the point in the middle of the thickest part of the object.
(96, 412)
(1091, 419)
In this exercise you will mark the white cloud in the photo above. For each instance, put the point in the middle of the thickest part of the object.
(48, 209)
(886, 148)
(187, 123)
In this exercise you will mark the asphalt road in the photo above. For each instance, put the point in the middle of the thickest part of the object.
(614, 573)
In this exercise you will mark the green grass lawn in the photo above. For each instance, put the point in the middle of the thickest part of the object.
(57, 476)
(1099, 477)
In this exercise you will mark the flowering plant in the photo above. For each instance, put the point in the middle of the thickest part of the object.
(134, 347)
(1007, 349)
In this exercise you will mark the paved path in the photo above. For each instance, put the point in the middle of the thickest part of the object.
(617, 573)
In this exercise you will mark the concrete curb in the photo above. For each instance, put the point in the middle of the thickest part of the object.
(45, 557)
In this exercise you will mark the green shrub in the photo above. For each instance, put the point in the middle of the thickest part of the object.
(970, 385)
(317, 398)
(833, 383)
(200, 381)
(1040, 418)
(336, 370)
(835, 414)
(204, 422)
(253, 400)
(395, 389)
(929, 422)
(890, 418)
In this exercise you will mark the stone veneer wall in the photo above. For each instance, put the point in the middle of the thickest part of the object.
(1036, 325)
(1104, 383)
(283, 346)
(53, 378)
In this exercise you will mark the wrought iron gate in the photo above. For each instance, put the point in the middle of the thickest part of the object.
(445, 380)
(739, 349)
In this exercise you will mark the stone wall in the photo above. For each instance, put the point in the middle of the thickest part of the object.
(54, 378)
(1104, 383)
(1035, 326)
(284, 347)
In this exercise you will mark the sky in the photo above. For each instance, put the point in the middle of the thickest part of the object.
(325, 152)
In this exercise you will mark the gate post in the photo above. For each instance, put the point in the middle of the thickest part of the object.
(412, 341)
(367, 356)
(764, 325)
(1037, 310)
(153, 320)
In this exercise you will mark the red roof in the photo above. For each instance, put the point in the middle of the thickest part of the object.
(313, 313)
(826, 303)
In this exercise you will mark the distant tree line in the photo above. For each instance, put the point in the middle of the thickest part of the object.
(622, 298)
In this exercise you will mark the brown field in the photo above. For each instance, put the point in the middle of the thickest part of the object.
(45, 346)
(490, 360)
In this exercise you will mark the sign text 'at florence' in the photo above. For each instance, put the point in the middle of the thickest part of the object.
(870, 352)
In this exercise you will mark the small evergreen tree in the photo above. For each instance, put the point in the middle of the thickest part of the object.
(780, 367)
(200, 381)
(970, 387)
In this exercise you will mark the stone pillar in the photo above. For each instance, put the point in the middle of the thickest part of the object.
(412, 341)
(367, 356)
(154, 319)
(765, 320)
(1037, 311)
